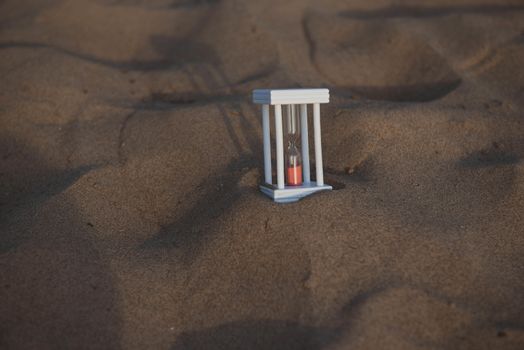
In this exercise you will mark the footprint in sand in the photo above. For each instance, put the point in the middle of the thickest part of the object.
(380, 60)
(412, 318)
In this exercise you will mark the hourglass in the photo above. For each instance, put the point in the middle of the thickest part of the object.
(292, 142)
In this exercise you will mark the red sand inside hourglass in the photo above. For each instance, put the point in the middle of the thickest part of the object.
(294, 175)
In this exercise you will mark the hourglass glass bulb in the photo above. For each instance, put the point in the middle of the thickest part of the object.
(293, 156)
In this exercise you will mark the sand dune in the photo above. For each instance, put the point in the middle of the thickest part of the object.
(131, 154)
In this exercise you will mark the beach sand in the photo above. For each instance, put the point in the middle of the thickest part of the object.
(130, 152)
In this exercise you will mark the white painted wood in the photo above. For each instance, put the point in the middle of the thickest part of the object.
(293, 193)
(318, 145)
(290, 96)
(267, 144)
(305, 143)
(280, 146)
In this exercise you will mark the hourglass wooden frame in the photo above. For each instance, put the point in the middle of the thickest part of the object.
(281, 192)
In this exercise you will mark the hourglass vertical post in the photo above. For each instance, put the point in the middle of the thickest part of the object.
(280, 146)
(267, 144)
(305, 143)
(318, 145)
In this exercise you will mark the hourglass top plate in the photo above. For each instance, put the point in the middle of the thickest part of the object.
(290, 96)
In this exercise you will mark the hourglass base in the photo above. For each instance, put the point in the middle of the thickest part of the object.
(292, 193)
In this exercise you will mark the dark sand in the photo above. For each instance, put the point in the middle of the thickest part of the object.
(130, 156)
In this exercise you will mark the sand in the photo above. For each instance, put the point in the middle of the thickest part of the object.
(131, 154)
